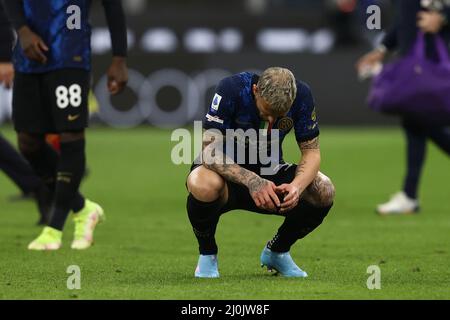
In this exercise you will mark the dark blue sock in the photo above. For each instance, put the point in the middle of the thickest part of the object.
(416, 140)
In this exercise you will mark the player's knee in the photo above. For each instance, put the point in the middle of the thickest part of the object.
(327, 192)
(205, 185)
(324, 191)
(30, 144)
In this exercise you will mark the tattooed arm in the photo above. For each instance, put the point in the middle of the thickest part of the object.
(307, 170)
(213, 158)
(309, 165)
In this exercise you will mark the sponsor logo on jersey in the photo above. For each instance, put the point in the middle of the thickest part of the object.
(216, 102)
(211, 118)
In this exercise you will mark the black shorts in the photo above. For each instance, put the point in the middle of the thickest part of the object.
(52, 102)
(239, 197)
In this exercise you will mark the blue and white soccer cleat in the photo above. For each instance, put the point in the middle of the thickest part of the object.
(282, 263)
(207, 267)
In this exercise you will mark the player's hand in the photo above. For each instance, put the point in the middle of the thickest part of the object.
(369, 60)
(430, 21)
(117, 75)
(32, 45)
(263, 193)
(6, 74)
(291, 196)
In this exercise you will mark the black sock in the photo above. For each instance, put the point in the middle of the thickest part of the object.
(70, 172)
(44, 162)
(204, 217)
(77, 203)
(298, 224)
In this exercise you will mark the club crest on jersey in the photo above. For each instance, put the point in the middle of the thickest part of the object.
(313, 115)
(285, 124)
(216, 102)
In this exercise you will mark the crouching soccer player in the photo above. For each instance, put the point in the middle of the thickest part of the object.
(52, 61)
(219, 183)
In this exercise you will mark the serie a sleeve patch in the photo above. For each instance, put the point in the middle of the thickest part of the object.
(216, 102)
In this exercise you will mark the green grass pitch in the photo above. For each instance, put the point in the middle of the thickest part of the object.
(146, 250)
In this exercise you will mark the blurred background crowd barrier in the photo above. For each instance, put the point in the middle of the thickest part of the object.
(180, 49)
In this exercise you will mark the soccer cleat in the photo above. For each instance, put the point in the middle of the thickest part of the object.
(281, 263)
(207, 267)
(85, 222)
(49, 239)
(399, 204)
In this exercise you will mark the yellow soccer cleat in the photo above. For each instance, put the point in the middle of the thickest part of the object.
(49, 239)
(85, 223)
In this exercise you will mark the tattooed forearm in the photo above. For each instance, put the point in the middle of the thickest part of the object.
(235, 173)
(215, 160)
(300, 168)
(310, 144)
(256, 183)
(309, 164)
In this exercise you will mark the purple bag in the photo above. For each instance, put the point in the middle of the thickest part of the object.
(415, 86)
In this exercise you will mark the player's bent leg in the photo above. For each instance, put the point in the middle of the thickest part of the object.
(312, 209)
(43, 161)
(206, 185)
(207, 194)
(320, 192)
(20, 172)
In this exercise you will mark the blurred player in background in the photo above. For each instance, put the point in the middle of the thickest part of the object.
(220, 183)
(6, 42)
(11, 162)
(431, 17)
(52, 61)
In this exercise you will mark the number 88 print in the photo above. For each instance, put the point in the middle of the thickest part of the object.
(68, 96)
